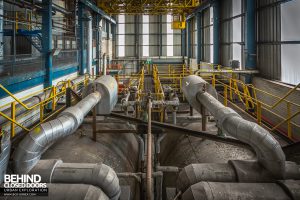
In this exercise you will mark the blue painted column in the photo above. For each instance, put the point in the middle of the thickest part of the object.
(183, 42)
(82, 66)
(98, 56)
(107, 29)
(189, 38)
(216, 33)
(47, 41)
(199, 37)
(108, 37)
(250, 35)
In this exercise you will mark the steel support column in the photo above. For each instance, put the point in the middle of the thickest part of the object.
(199, 38)
(183, 43)
(216, 33)
(250, 37)
(107, 44)
(98, 44)
(189, 38)
(47, 41)
(81, 39)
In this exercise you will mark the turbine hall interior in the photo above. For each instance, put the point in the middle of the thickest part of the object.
(149, 100)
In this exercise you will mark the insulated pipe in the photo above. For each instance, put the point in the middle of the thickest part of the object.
(30, 149)
(267, 148)
(99, 175)
(69, 191)
(233, 171)
(141, 148)
(149, 154)
(4, 156)
(241, 191)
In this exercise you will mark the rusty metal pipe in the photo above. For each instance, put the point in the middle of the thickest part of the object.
(149, 154)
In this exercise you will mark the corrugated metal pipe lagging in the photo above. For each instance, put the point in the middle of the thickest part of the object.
(267, 148)
(99, 175)
(4, 156)
(30, 149)
(72, 191)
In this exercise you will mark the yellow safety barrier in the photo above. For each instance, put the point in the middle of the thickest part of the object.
(235, 88)
(55, 92)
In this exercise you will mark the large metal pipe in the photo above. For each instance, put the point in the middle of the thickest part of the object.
(108, 87)
(69, 191)
(30, 149)
(233, 171)
(241, 191)
(99, 175)
(267, 148)
(5, 153)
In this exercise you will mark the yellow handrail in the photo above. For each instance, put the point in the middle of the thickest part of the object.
(54, 94)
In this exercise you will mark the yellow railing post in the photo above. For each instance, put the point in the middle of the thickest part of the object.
(85, 81)
(17, 21)
(53, 98)
(258, 112)
(226, 95)
(214, 81)
(230, 91)
(289, 124)
(41, 112)
(13, 117)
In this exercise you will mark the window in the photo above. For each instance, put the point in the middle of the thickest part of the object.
(146, 35)
(121, 35)
(237, 31)
(290, 32)
(170, 39)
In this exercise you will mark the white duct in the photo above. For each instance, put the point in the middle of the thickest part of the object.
(267, 148)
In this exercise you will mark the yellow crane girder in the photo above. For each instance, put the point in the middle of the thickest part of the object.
(151, 7)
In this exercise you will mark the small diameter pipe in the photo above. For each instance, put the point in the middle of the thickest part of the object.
(149, 154)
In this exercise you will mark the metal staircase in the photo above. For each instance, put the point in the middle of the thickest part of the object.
(34, 37)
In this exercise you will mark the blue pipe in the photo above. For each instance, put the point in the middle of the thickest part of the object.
(216, 33)
(81, 39)
(47, 41)
(183, 42)
(199, 38)
(250, 35)
(189, 38)
(98, 18)
(107, 29)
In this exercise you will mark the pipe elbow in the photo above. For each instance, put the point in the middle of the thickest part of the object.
(195, 173)
(4, 156)
(107, 179)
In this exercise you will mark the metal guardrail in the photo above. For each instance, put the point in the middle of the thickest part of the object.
(245, 93)
(55, 93)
